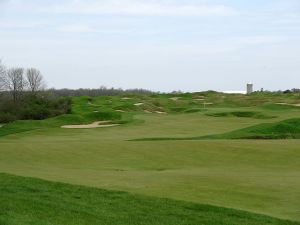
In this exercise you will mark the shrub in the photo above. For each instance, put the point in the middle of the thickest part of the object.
(7, 117)
(34, 107)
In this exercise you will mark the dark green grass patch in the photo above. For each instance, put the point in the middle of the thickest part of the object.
(287, 129)
(28, 201)
(280, 107)
(195, 110)
(242, 114)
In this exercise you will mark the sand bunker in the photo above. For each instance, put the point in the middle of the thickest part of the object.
(160, 112)
(1, 125)
(283, 103)
(91, 104)
(175, 98)
(126, 98)
(119, 110)
(98, 124)
(139, 104)
(147, 111)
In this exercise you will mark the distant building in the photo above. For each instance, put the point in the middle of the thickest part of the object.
(249, 88)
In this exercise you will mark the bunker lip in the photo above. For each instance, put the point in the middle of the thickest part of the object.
(175, 98)
(160, 112)
(139, 104)
(97, 124)
(126, 98)
(288, 104)
(119, 110)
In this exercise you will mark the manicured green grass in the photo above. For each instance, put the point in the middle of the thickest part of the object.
(256, 176)
(287, 129)
(29, 201)
(87, 109)
(261, 177)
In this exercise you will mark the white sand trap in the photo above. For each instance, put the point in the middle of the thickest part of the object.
(126, 98)
(1, 125)
(98, 124)
(160, 112)
(139, 104)
(175, 98)
(118, 110)
(208, 103)
(283, 103)
(147, 111)
(91, 104)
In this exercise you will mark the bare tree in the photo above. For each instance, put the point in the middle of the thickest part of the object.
(2, 76)
(14, 82)
(35, 80)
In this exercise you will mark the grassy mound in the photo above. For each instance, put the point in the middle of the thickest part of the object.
(69, 119)
(287, 129)
(280, 107)
(186, 110)
(242, 114)
(33, 201)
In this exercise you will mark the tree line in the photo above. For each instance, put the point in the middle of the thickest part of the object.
(23, 96)
(102, 91)
(17, 80)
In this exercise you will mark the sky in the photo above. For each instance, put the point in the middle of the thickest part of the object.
(161, 45)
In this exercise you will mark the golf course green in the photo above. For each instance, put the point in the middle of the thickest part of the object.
(201, 158)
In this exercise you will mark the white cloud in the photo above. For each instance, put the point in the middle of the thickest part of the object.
(21, 24)
(86, 28)
(77, 28)
(3, 1)
(134, 7)
(257, 40)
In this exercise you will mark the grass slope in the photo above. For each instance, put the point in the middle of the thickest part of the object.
(287, 129)
(87, 109)
(243, 114)
(29, 201)
(85, 118)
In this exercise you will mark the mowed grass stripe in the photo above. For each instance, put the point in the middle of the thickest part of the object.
(33, 201)
(261, 177)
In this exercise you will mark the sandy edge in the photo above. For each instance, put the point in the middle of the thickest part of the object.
(97, 124)
(298, 105)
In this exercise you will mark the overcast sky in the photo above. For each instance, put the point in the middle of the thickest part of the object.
(163, 45)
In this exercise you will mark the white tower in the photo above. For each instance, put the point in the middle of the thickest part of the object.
(249, 88)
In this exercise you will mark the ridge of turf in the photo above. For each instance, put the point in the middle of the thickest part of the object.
(286, 129)
(35, 201)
